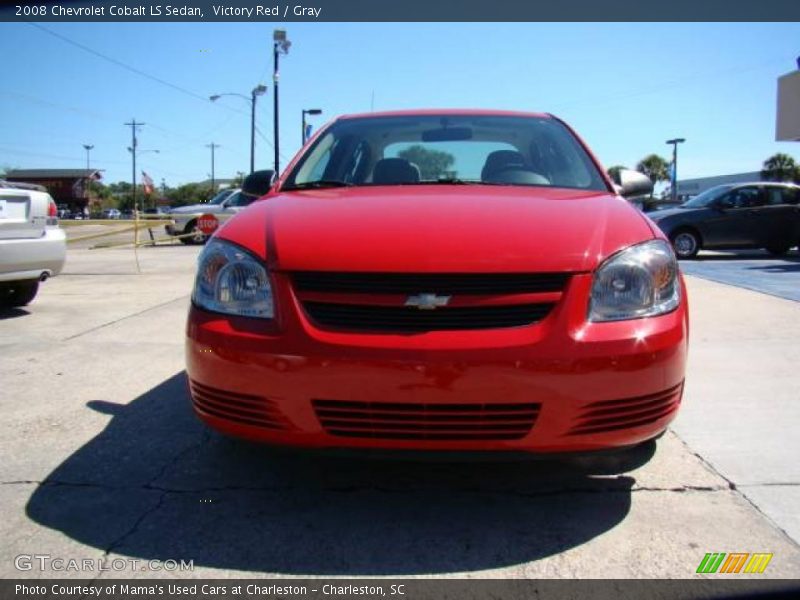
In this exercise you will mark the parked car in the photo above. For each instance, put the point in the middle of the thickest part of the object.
(746, 215)
(32, 245)
(440, 280)
(223, 206)
(111, 213)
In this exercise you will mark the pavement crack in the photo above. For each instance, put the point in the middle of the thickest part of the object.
(732, 485)
(115, 321)
(135, 527)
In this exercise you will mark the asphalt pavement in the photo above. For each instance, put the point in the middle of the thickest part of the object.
(103, 458)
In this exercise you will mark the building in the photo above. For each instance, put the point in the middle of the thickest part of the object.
(691, 187)
(68, 187)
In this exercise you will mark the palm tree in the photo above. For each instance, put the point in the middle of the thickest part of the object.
(655, 167)
(779, 167)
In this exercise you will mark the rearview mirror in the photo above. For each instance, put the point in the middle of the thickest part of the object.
(258, 183)
(632, 183)
(452, 134)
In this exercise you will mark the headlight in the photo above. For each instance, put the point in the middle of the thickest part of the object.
(641, 281)
(232, 281)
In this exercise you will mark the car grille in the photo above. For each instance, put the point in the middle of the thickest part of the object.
(612, 415)
(255, 411)
(403, 318)
(415, 283)
(349, 301)
(436, 422)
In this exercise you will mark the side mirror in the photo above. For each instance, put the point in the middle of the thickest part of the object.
(258, 183)
(632, 183)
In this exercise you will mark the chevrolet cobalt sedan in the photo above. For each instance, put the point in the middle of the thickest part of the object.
(440, 280)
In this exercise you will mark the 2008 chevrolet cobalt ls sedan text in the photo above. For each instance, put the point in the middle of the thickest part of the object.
(440, 280)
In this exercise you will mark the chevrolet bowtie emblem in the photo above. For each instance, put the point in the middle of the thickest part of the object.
(427, 301)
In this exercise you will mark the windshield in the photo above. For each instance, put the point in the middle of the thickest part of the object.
(219, 198)
(706, 198)
(434, 149)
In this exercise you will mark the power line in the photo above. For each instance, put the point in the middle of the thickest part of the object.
(117, 62)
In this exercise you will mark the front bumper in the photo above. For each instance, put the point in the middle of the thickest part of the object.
(580, 386)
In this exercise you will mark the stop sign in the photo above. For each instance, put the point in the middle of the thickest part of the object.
(207, 224)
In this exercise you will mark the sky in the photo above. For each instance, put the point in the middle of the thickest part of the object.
(625, 88)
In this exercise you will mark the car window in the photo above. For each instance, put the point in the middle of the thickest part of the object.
(746, 197)
(425, 149)
(790, 195)
(238, 199)
(775, 196)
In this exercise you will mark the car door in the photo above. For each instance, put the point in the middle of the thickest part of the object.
(781, 217)
(736, 222)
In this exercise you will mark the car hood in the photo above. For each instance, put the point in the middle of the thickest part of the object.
(658, 215)
(438, 229)
(196, 208)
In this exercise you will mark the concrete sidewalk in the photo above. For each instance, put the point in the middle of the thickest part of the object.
(742, 399)
(104, 459)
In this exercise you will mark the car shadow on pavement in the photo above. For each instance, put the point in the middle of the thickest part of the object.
(156, 484)
(12, 313)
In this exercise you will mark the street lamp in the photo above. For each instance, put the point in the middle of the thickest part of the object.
(675, 143)
(259, 90)
(280, 46)
(88, 147)
(308, 111)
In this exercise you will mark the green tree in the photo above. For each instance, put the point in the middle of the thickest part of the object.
(613, 172)
(655, 167)
(189, 193)
(780, 167)
(432, 163)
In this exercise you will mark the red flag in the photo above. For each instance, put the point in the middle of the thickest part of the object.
(147, 183)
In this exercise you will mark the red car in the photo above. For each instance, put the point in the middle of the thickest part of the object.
(440, 280)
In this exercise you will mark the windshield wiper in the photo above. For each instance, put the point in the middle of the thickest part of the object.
(457, 181)
(320, 183)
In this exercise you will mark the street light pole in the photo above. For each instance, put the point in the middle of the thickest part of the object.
(675, 143)
(308, 111)
(212, 145)
(88, 147)
(133, 125)
(259, 90)
(280, 45)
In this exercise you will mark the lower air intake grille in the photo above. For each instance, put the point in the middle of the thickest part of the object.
(443, 422)
(611, 415)
(255, 411)
(355, 317)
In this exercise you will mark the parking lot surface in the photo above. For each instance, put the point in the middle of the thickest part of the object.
(751, 269)
(103, 458)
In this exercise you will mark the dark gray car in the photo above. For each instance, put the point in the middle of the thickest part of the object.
(747, 215)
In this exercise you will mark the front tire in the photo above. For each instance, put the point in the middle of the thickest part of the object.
(198, 236)
(18, 293)
(686, 243)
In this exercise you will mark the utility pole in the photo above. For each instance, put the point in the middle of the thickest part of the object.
(212, 145)
(133, 125)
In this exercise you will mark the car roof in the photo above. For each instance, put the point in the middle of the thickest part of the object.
(446, 111)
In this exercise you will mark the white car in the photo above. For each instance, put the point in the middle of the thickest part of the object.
(32, 245)
(223, 206)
